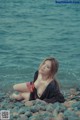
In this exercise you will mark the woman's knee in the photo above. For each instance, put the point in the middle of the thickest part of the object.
(15, 87)
(21, 87)
(25, 95)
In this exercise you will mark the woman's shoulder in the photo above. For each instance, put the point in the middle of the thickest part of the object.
(54, 85)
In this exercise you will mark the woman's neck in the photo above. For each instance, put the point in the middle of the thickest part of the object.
(43, 77)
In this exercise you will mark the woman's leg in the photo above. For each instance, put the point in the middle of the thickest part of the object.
(16, 96)
(24, 95)
(22, 87)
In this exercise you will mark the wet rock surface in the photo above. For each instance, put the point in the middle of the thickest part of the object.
(40, 110)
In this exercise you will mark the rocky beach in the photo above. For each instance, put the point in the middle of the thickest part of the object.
(40, 110)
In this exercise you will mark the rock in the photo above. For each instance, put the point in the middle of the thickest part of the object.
(40, 110)
(73, 91)
(18, 104)
(23, 117)
(45, 115)
(70, 114)
(59, 107)
(35, 114)
(15, 109)
(15, 114)
(29, 103)
(49, 108)
(77, 98)
(36, 117)
(55, 113)
(4, 104)
(28, 113)
(55, 105)
(41, 102)
(70, 108)
(73, 118)
(34, 109)
(40, 107)
(52, 119)
(43, 108)
(69, 103)
(2, 96)
(78, 113)
(60, 116)
(22, 110)
(76, 105)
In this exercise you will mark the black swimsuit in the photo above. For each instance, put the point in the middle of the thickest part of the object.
(51, 94)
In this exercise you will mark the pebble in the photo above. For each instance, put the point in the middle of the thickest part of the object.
(60, 116)
(29, 103)
(40, 110)
(69, 103)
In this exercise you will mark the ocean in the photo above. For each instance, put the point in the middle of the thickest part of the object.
(32, 30)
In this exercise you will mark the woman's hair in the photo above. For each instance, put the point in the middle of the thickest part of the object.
(54, 65)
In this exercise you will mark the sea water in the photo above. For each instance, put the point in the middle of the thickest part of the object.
(32, 30)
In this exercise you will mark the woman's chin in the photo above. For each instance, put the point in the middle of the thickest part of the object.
(41, 72)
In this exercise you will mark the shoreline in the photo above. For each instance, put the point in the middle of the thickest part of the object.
(40, 110)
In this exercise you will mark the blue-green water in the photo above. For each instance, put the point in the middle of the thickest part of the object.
(31, 30)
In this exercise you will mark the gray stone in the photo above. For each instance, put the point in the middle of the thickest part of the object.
(22, 110)
(4, 105)
(73, 118)
(28, 113)
(55, 113)
(23, 117)
(19, 104)
(49, 108)
(35, 109)
(15, 109)
(29, 103)
(40, 107)
(69, 113)
(55, 105)
(43, 116)
(77, 105)
(36, 117)
(61, 108)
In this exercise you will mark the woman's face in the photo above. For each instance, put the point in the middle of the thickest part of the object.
(45, 68)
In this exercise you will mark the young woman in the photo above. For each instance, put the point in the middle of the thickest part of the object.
(44, 86)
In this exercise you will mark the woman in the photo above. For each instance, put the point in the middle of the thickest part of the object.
(44, 86)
